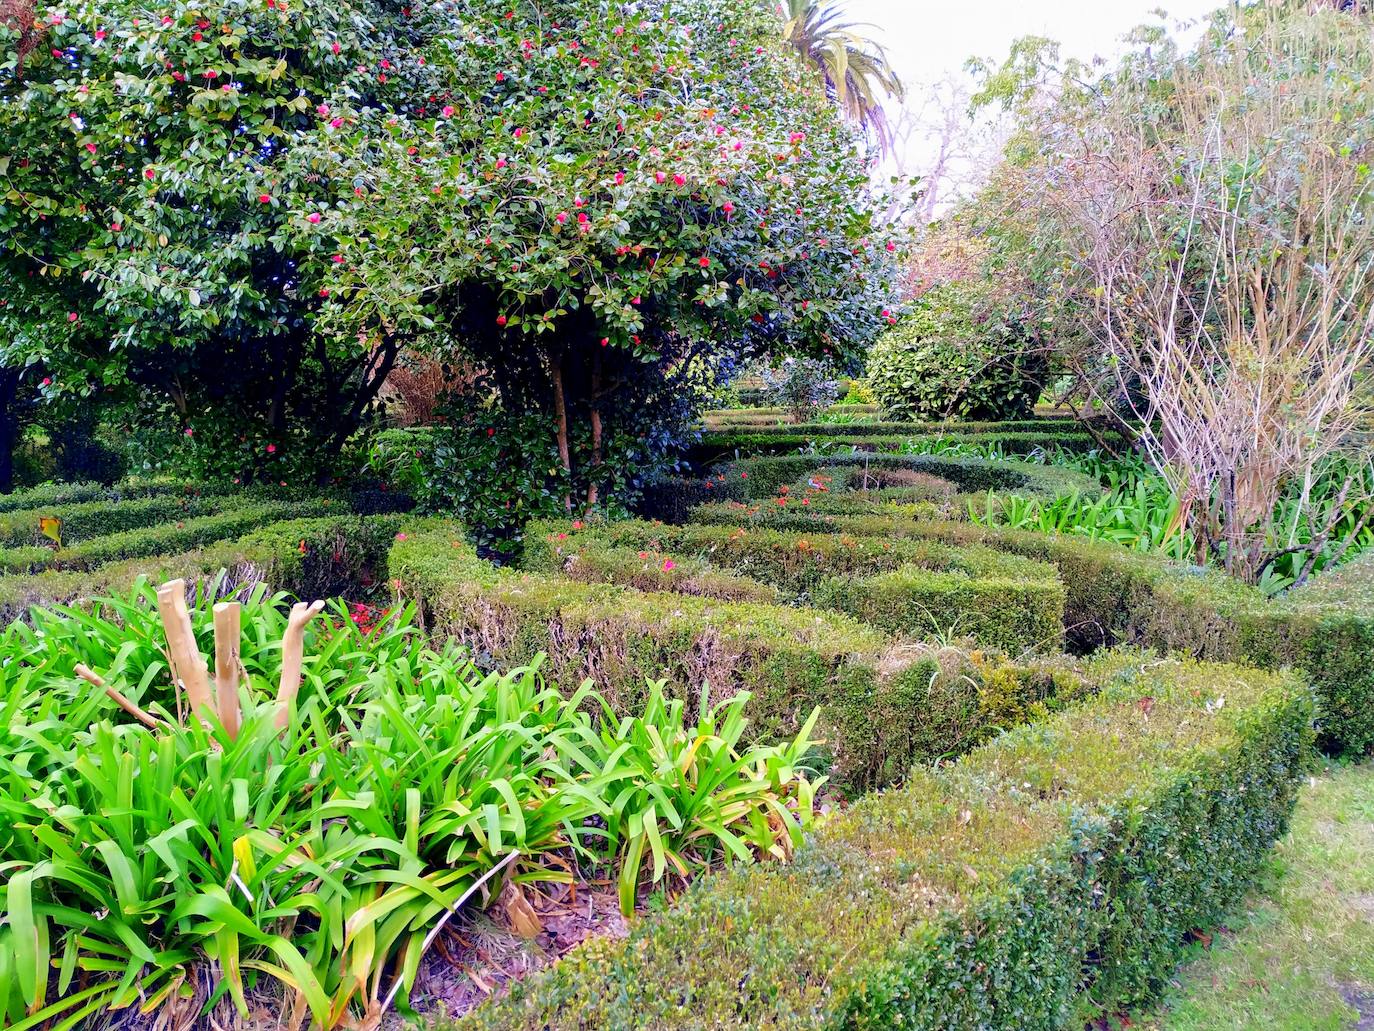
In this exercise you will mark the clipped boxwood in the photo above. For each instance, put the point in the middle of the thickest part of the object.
(886, 705)
(311, 558)
(1049, 875)
(723, 444)
(910, 588)
(1116, 595)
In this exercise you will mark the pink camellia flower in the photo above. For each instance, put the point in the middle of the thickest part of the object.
(402, 537)
(669, 565)
(448, 110)
(271, 449)
(796, 137)
(72, 316)
(680, 179)
(47, 381)
(265, 198)
(336, 48)
(660, 177)
(500, 76)
(322, 110)
(582, 218)
(891, 246)
(500, 321)
(313, 217)
(91, 147)
(561, 217)
(727, 207)
(335, 123)
(148, 173)
(190, 432)
(518, 133)
(620, 178)
(500, 162)
(338, 259)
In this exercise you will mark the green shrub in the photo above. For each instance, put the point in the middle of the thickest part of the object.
(954, 356)
(161, 539)
(99, 518)
(1047, 876)
(311, 558)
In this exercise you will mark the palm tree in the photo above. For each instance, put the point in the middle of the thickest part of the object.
(854, 67)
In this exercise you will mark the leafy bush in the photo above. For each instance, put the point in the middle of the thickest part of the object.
(320, 855)
(803, 386)
(1048, 876)
(954, 357)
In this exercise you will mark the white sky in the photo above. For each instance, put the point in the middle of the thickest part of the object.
(930, 40)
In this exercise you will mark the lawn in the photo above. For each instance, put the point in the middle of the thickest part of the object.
(1299, 956)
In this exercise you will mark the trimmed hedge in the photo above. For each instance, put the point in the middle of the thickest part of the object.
(902, 587)
(717, 445)
(1049, 875)
(312, 558)
(89, 519)
(673, 498)
(886, 706)
(161, 539)
(1115, 595)
(49, 494)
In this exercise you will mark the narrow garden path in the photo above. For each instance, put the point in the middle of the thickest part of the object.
(1300, 955)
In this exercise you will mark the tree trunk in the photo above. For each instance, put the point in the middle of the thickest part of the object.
(9, 425)
(593, 488)
(560, 415)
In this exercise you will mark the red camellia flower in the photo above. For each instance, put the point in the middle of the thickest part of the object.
(620, 178)
(265, 198)
(338, 259)
(669, 565)
(271, 449)
(148, 173)
(680, 179)
(704, 261)
(500, 320)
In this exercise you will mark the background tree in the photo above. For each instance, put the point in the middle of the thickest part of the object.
(605, 213)
(855, 69)
(1206, 219)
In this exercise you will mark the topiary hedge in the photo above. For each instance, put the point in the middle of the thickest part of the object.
(1048, 876)
(910, 588)
(311, 558)
(1115, 595)
(955, 356)
(886, 705)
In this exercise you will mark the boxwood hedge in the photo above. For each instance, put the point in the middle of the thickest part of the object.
(1115, 595)
(1049, 875)
(886, 705)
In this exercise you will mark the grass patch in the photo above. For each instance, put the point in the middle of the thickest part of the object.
(1300, 954)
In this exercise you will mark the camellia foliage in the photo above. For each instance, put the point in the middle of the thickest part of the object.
(599, 203)
(152, 229)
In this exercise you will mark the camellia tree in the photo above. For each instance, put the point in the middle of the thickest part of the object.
(152, 234)
(603, 206)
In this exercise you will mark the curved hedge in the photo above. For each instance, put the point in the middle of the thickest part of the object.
(1049, 874)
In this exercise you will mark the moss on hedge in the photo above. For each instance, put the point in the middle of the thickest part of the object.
(1049, 874)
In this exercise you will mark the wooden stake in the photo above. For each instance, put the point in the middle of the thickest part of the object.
(227, 665)
(85, 673)
(188, 666)
(292, 652)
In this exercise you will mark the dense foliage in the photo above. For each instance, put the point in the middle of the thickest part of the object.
(956, 355)
(322, 854)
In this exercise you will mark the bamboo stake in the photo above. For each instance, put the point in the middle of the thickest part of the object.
(85, 673)
(227, 665)
(292, 652)
(187, 664)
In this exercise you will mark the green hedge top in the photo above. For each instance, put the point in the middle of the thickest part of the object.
(1064, 857)
(49, 494)
(859, 436)
(310, 557)
(1118, 595)
(887, 428)
(796, 560)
